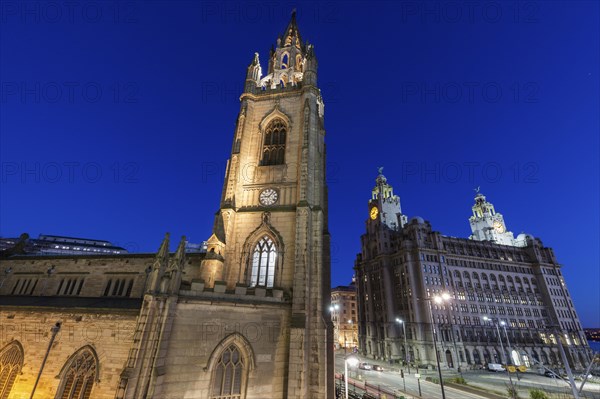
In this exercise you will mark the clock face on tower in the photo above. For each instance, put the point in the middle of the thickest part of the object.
(499, 227)
(268, 197)
(374, 212)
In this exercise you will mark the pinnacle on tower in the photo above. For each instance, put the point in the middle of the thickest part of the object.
(290, 63)
(291, 36)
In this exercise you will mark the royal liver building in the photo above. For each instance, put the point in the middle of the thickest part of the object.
(245, 320)
(494, 283)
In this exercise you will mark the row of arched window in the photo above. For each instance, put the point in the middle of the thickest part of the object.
(78, 375)
(501, 279)
(229, 370)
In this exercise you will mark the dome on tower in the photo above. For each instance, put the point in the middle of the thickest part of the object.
(417, 219)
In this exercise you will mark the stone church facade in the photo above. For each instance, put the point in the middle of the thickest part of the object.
(248, 319)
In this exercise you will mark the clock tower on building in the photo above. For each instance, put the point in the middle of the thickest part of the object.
(487, 224)
(385, 205)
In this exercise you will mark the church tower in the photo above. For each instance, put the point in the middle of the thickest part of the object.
(271, 230)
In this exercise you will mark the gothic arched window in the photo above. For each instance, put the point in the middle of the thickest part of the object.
(11, 362)
(263, 261)
(298, 64)
(274, 143)
(78, 376)
(229, 375)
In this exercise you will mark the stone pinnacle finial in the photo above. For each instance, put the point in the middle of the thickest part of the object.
(164, 246)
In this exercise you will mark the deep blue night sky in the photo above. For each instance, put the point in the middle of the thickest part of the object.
(116, 120)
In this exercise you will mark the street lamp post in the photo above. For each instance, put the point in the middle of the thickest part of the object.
(499, 336)
(349, 324)
(503, 324)
(404, 332)
(353, 362)
(438, 299)
(501, 345)
(54, 331)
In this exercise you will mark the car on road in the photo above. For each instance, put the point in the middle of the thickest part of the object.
(365, 366)
(495, 367)
(377, 367)
(549, 374)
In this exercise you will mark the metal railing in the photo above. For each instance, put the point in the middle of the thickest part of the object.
(358, 389)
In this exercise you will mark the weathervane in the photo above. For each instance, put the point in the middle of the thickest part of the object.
(477, 189)
(380, 169)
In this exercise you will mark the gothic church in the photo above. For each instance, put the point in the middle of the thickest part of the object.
(248, 319)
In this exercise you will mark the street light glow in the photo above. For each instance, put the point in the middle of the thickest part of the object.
(443, 297)
(399, 320)
(352, 361)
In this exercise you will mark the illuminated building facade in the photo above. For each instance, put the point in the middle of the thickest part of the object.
(492, 279)
(344, 315)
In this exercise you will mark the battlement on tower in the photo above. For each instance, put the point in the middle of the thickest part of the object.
(241, 293)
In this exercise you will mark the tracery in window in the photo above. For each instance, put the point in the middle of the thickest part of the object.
(263, 263)
(274, 143)
(11, 362)
(229, 375)
(79, 376)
